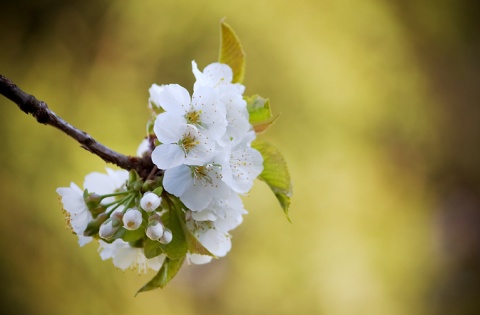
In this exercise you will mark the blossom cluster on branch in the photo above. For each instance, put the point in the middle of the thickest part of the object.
(204, 154)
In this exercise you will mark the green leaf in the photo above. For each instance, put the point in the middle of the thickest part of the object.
(135, 235)
(275, 173)
(260, 113)
(165, 274)
(152, 248)
(231, 52)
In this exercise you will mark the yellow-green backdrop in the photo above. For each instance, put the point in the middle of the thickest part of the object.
(378, 122)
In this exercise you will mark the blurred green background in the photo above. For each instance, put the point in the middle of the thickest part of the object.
(380, 126)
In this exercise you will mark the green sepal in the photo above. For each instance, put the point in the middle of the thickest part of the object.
(85, 194)
(260, 113)
(118, 234)
(231, 52)
(148, 185)
(149, 126)
(158, 191)
(165, 274)
(275, 173)
(134, 180)
(94, 226)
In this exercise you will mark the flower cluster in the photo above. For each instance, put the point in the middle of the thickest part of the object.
(199, 156)
(202, 149)
(205, 150)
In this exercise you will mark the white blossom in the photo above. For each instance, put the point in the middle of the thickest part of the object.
(217, 242)
(181, 143)
(242, 165)
(143, 147)
(78, 213)
(219, 77)
(195, 185)
(124, 256)
(224, 213)
(74, 204)
(203, 110)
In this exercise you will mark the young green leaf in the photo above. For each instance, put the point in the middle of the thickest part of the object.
(275, 173)
(231, 52)
(260, 114)
(165, 274)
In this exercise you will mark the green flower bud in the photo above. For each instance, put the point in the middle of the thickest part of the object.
(94, 226)
(92, 200)
(117, 219)
(97, 211)
(134, 181)
(148, 185)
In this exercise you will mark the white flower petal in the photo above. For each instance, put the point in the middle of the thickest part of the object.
(177, 180)
(243, 166)
(218, 243)
(205, 215)
(169, 127)
(197, 198)
(124, 256)
(213, 75)
(173, 98)
(166, 156)
(198, 259)
(144, 147)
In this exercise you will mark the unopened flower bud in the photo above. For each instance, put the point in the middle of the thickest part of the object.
(166, 237)
(92, 200)
(107, 230)
(94, 225)
(97, 211)
(149, 184)
(117, 218)
(154, 217)
(155, 230)
(150, 202)
(132, 219)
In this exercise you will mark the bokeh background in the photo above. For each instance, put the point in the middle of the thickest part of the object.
(379, 123)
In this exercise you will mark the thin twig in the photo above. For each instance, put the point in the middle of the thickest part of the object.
(39, 109)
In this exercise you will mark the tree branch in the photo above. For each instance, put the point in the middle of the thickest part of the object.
(39, 109)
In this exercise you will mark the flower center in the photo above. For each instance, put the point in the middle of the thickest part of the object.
(193, 117)
(200, 173)
(188, 142)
